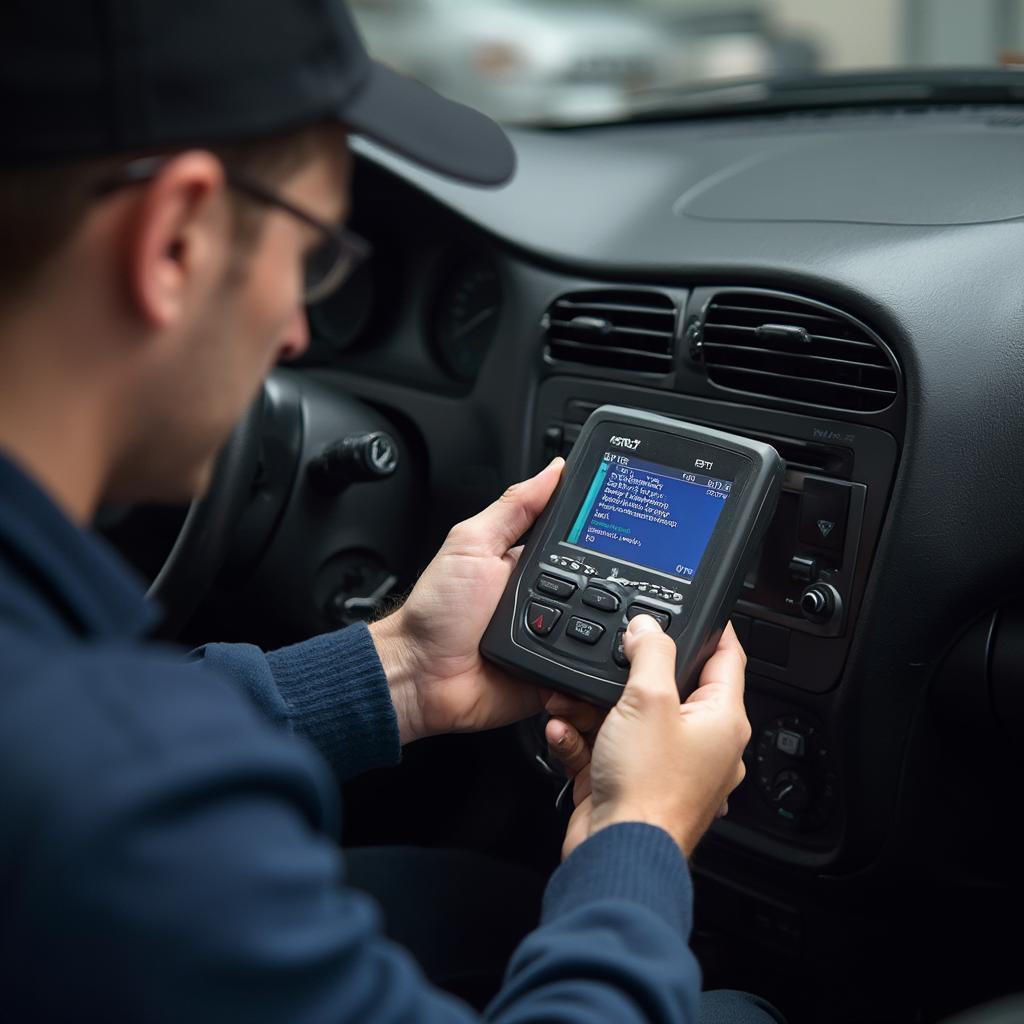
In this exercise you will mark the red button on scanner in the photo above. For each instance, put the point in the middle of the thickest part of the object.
(541, 618)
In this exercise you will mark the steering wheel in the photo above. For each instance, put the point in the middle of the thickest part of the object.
(203, 541)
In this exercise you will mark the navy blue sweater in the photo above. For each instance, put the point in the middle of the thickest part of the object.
(168, 830)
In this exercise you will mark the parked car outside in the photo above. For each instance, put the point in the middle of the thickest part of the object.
(526, 61)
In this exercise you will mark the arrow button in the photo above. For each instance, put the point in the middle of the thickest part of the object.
(541, 618)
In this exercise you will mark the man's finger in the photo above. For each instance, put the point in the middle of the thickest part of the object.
(723, 674)
(513, 555)
(582, 786)
(585, 716)
(567, 746)
(730, 641)
(652, 659)
(503, 522)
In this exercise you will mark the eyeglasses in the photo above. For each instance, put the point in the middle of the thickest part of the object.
(325, 267)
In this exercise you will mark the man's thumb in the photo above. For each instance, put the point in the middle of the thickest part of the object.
(504, 521)
(652, 659)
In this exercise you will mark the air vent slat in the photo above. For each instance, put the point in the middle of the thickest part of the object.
(784, 347)
(767, 314)
(796, 361)
(616, 328)
(640, 332)
(617, 349)
(813, 381)
(867, 346)
(612, 307)
(664, 337)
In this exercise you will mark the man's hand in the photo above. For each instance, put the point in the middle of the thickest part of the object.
(571, 732)
(655, 760)
(430, 647)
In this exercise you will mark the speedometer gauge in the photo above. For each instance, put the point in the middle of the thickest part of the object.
(466, 316)
(341, 318)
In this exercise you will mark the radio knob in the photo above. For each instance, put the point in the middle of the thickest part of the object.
(820, 603)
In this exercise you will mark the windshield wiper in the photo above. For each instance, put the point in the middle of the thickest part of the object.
(920, 87)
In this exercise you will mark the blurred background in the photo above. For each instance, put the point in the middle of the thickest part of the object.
(572, 61)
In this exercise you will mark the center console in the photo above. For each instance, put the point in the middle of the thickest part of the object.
(798, 604)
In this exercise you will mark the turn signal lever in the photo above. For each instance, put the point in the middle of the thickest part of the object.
(358, 458)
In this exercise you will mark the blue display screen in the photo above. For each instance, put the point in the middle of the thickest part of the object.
(653, 516)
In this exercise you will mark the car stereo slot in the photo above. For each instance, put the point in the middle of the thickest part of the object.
(809, 456)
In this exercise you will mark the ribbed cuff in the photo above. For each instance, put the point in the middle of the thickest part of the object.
(338, 697)
(630, 861)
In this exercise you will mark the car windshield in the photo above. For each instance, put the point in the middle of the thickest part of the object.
(570, 62)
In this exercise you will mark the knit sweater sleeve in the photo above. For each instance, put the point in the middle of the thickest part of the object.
(330, 689)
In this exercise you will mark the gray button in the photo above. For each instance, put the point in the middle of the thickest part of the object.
(619, 650)
(662, 618)
(555, 587)
(601, 599)
(584, 630)
(791, 743)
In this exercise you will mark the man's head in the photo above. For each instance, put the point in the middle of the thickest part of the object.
(171, 297)
(148, 307)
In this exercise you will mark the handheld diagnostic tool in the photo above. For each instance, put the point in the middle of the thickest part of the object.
(652, 515)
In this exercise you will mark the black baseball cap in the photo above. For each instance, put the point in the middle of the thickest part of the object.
(82, 78)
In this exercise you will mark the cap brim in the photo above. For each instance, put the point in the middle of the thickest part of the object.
(412, 120)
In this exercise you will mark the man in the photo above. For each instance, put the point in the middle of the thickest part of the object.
(174, 179)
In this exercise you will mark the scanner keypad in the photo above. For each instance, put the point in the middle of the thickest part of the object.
(595, 607)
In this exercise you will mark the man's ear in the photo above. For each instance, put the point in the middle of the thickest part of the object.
(178, 235)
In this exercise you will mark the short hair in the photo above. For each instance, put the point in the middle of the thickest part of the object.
(41, 205)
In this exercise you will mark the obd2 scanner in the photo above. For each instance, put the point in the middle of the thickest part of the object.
(652, 515)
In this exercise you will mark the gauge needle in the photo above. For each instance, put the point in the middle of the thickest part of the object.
(475, 322)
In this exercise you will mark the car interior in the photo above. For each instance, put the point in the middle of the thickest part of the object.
(832, 266)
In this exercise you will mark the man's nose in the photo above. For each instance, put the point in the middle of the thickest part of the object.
(296, 335)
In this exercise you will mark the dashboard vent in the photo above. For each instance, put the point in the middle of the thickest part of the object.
(621, 329)
(778, 346)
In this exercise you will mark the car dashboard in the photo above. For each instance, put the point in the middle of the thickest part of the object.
(844, 284)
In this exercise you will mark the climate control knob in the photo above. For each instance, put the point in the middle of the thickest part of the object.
(790, 792)
(821, 603)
